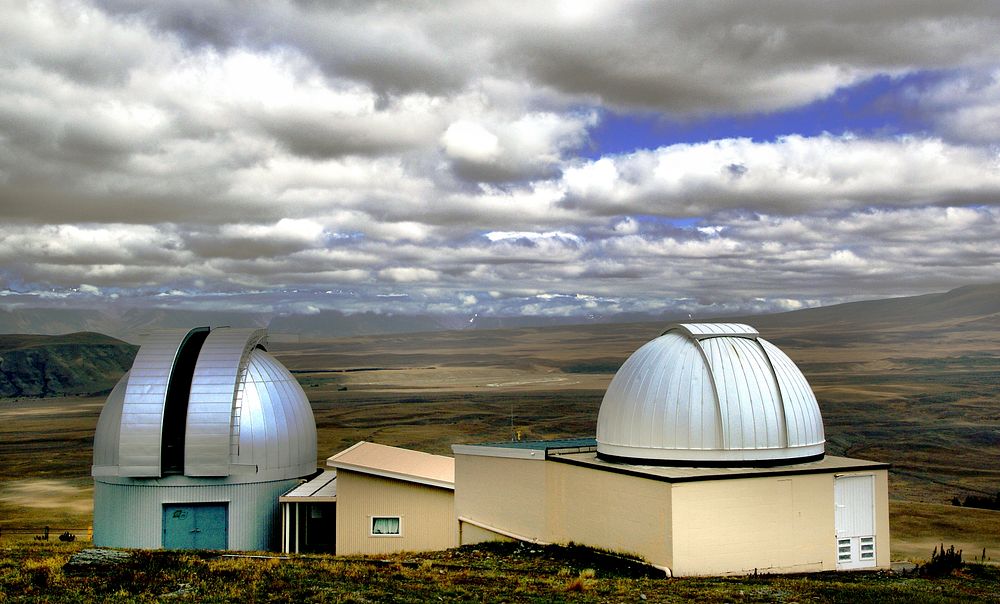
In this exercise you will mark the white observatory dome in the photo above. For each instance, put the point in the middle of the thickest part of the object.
(709, 394)
(197, 442)
(210, 404)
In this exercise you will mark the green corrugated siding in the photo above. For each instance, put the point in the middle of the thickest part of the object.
(130, 515)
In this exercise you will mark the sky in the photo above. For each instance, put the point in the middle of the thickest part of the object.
(506, 158)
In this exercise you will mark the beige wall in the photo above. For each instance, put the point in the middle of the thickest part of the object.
(883, 537)
(557, 503)
(612, 511)
(470, 533)
(501, 492)
(427, 514)
(731, 526)
(772, 524)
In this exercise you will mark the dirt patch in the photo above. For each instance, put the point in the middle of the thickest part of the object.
(48, 495)
(917, 528)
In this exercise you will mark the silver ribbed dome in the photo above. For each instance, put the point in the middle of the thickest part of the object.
(208, 405)
(709, 394)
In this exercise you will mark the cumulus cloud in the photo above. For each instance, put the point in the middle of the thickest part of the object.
(533, 237)
(408, 274)
(965, 106)
(241, 240)
(675, 56)
(471, 142)
(435, 156)
(529, 147)
(792, 174)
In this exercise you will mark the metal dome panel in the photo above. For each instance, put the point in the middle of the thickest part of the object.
(709, 394)
(108, 431)
(216, 395)
(716, 329)
(277, 429)
(672, 370)
(805, 426)
(139, 443)
(748, 393)
(218, 406)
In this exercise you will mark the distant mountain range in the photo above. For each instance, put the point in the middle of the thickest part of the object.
(977, 303)
(85, 363)
(133, 324)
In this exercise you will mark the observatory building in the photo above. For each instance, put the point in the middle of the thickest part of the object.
(709, 459)
(196, 443)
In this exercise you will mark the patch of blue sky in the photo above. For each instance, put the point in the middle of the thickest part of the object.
(335, 238)
(684, 223)
(881, 106)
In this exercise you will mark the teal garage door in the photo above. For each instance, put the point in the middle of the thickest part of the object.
(194, 526)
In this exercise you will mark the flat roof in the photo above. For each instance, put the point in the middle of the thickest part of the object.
(829, 464)
(543, 445)
(397, 463)
(321, 489)
(527, 449)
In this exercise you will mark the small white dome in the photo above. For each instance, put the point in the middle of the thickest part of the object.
(709, 394)
(206, 404)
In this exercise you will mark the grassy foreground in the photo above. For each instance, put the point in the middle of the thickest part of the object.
(485, 573)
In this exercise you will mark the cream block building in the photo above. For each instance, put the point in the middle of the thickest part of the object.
(687, 521)
(383, 499)
(709, 460)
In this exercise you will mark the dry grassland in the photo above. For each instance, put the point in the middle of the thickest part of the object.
(926, 399)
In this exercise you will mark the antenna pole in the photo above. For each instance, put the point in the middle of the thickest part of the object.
(512, 434)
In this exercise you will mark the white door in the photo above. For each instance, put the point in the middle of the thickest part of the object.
(854, 497)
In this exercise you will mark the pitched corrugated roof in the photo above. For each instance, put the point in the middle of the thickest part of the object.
(321, 488)
(397, 463)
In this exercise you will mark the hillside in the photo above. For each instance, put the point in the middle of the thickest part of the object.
(128, 325)
(76, 363)
(969, 307)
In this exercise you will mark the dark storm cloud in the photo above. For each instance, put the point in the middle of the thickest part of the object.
(323, 137)
(675, 56)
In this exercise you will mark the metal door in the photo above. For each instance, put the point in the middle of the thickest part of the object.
(854, 498)
(195, 526)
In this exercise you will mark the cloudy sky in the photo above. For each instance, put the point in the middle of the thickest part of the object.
(499, 158)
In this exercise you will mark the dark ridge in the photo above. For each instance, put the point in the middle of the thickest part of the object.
(82, 363)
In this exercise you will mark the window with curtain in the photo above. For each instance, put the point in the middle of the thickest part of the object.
(385, 525)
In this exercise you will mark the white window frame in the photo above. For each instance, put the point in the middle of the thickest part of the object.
(371, 526)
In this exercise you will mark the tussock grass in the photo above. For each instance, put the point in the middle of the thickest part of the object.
(490, 573)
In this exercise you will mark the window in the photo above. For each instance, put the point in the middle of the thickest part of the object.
(868, 548)
(383, 526)
(843, 550)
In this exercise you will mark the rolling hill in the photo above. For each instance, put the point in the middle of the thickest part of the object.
(971, 306)
(76, 363)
